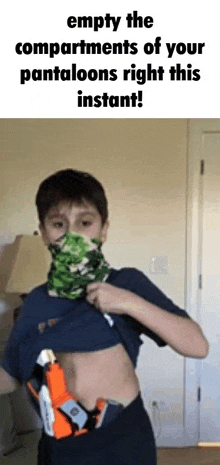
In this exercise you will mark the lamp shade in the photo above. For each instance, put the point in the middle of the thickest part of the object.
(30, 264)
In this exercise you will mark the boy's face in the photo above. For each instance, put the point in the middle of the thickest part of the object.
(81, 218)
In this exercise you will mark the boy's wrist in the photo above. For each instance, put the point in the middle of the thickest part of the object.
(135, 305)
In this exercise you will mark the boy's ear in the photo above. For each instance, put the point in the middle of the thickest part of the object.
(43, 234)
(104, 231)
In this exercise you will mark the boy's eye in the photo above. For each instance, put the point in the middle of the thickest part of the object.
(86, 223)
(58, 224)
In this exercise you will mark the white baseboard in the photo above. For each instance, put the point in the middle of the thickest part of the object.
(215, 445)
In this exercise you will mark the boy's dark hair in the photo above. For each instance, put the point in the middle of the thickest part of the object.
(71, 186)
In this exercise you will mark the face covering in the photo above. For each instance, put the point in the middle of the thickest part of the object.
(76, 261)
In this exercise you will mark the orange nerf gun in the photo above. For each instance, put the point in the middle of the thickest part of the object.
(61, 413)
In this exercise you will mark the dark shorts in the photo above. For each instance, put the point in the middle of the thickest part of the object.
(128, 440)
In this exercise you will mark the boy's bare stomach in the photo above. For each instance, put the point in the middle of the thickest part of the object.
(107, 373)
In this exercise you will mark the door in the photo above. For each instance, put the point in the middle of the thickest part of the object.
(210, 288)
(202, 399)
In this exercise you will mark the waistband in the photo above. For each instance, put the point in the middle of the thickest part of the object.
(132, 418)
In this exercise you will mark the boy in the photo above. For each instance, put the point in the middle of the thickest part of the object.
(98, 355)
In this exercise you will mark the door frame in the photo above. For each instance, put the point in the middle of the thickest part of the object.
(196, 129)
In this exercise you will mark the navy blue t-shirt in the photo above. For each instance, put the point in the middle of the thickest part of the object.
(65, 325)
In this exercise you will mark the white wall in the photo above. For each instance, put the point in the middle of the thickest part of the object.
(142, 164)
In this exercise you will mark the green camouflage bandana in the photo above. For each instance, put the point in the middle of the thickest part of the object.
(77, 261)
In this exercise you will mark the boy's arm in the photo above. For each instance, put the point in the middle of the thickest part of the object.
(182, 334)
(7, 383)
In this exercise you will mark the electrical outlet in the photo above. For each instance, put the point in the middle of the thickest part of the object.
(159, 265)
(161, 405)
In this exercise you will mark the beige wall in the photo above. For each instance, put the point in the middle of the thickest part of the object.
(142, 164)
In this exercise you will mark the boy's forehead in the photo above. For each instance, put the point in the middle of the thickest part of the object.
(66, 208)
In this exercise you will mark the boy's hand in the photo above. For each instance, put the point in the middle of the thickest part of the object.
(108, 298)
(182, 334)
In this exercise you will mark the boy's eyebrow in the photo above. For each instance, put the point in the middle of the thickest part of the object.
(55, 215)
(87, 213)
(51, 216)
